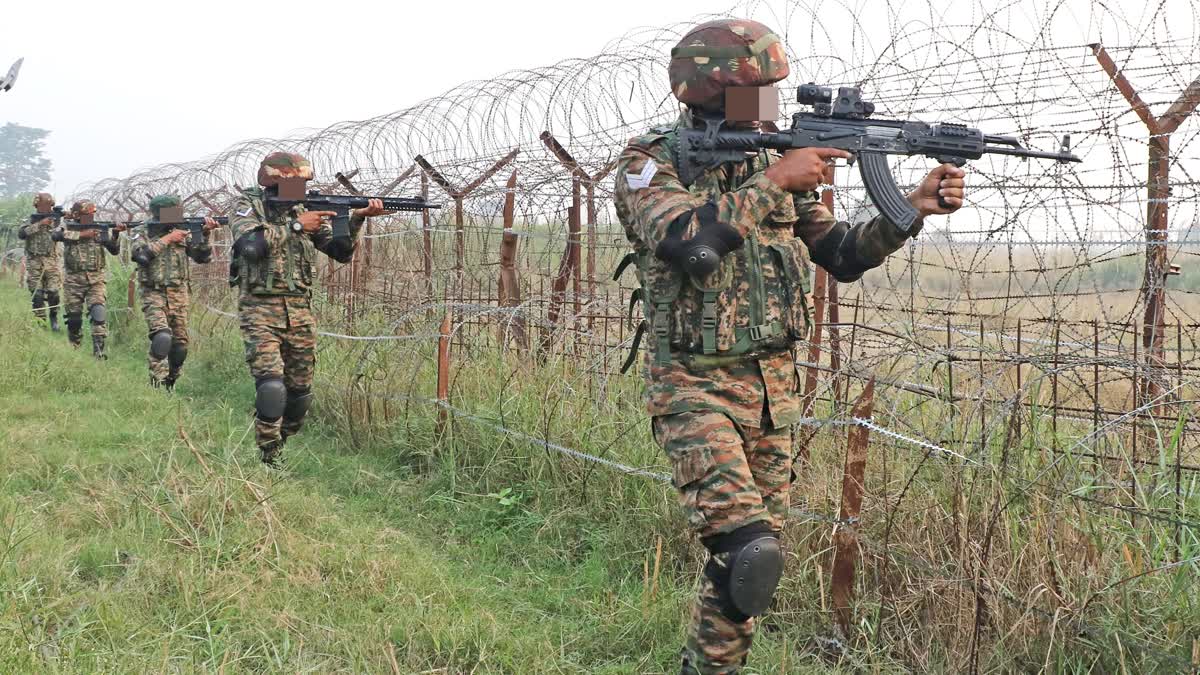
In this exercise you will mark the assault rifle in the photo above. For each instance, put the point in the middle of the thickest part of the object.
(55, 214)
(106, 228)
(342, 205)
(844, 123)
(194, 226)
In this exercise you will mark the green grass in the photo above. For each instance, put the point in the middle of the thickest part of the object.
(138, 533)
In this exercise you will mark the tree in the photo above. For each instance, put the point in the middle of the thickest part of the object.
(22, 167)
(14, 212)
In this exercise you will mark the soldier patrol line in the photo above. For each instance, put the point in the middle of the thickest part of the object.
(722, 220)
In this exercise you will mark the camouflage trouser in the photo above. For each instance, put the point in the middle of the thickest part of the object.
(281, 342)
(165, 309)
(43, 272)
(727, 477)
(84, 289)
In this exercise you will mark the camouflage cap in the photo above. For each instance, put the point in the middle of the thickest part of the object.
(164, 202)
(83, 206)
(725, 53)
(283, 165)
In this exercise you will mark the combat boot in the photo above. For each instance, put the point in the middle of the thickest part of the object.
(74, 336)
(54, 320)
(98, 347)
(39, 307)
(271, 454)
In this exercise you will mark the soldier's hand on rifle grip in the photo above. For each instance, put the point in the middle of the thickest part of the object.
(175, 237)
(210, 224)
(311, 221)
(803, 170)
(89, 234)
(374, 208)
(941, 192)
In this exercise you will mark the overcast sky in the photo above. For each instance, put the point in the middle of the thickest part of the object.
(154, 82)
(128, 84)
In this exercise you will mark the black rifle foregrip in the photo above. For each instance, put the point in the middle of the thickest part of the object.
(884, 192)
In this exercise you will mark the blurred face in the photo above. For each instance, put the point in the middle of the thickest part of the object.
(751, 104)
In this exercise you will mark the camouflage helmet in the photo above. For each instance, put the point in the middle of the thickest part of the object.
(82, 207)
(43, 198)
(283, 165)
(724, 53)
(163, 202)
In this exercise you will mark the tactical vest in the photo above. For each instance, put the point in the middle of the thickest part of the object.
(755, 303)
(85, 255)
(287, 270)
(39, 244)
(169, 269)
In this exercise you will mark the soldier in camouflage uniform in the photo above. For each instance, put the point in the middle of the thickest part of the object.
(273, 266)
(164, 277)
(722, 385)
(43, 271)
(85, 281)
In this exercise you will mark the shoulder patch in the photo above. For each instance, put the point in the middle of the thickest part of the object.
(245, 212)
(641, 180)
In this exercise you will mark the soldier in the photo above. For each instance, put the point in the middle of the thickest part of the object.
(273, 260)
(83, 250)
(164, 278)
(722, 385)
(43, 262)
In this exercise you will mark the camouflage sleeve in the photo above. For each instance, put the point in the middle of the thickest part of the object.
(70, 235)
(244, 219)
(651, 198)
(845, 252)
(155, 246)
(23, 232)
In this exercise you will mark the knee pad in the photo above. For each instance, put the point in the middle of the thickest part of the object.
(52, 298)
(177, 355)
(74, 321)
(745, 566)
(270, 399)
(98, 313)
(160, 344)
(298, 403)
(39, 298)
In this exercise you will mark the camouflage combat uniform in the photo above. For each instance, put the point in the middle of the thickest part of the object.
(85, 285)
(165, 284)
(274, 307)
(721, 380)
(43, 268)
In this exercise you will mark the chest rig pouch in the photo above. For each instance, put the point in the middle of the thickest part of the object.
(39, 243)
(84, 256)
(754, 303)
(292, 263)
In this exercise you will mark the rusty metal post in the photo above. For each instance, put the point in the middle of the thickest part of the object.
(443, 374)
(575, 230)
(835, 343)
(1158, 192)
(845, 536)
(811, 371)
(508, 287)
(130, 292)
(426, 239)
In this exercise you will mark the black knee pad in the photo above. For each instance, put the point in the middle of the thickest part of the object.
(270, 398)
(98, 313)
(177, 355)
(160, 344)
(52, 298)
(745, 566)
(74, 321)
(298, 403)
(39, 298)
